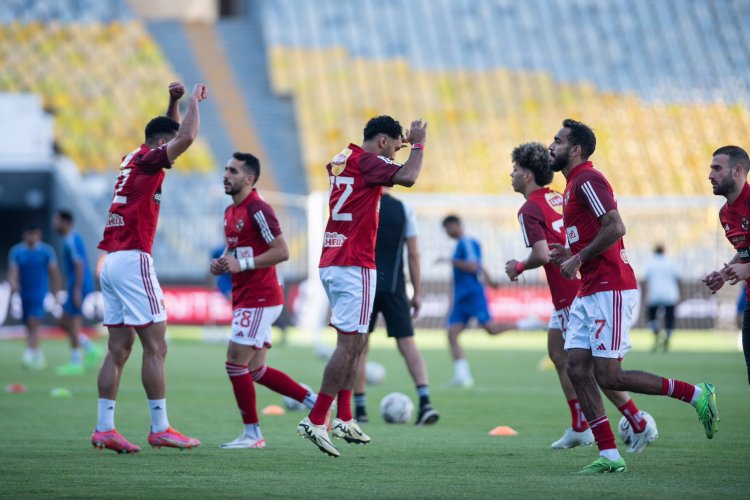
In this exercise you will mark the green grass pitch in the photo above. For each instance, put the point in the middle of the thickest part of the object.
(45, 449)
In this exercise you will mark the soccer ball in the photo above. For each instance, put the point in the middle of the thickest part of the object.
(374, 373)
(396, 408)
(626, 432)
(293, 404)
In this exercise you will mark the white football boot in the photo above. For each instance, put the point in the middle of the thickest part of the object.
(349, 431)
(571, 439)
(244, 441)
(639, 441)
(318, 435)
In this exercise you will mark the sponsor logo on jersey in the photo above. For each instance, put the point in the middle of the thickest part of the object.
(338, 163)
(743, 253)
(233, 240)
(333, 240)
(115, 220)
(157, 197)
(239, 224)
(555, 201)
(572, 233)
(624, 256)
(745, 223)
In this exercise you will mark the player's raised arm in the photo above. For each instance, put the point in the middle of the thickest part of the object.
(176, 91)
(190, 125)
(408, 173)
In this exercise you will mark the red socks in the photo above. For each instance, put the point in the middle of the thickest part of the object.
(578, 420)
(319, 411)
(603, 435)
(677, 389)
(345, 405)
(244, 391)
(280, 382)
(634, 416)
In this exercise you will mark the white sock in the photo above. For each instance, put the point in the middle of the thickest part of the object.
(106, 420)
(38, 355)
(612, 454)
(461, 369)
(75, 356)
(310, 399)
(84, 341)
(696, 395)
(253, 431)
(158, 410)
(28, 355)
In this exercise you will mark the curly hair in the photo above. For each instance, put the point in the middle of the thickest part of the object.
(534, 157)
(383, 125)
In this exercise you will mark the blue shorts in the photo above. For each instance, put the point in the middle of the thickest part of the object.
(70, 308)
(33, 307)
(472, 306)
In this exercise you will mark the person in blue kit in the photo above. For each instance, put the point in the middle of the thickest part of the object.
(79, 283)
(469, 299)
(223, 281)
(32, 266)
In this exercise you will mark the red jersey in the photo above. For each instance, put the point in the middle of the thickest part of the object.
(250, 227)
(541, 219)
(588, 196)
(735, 219)
(356, 180)
(131, 223)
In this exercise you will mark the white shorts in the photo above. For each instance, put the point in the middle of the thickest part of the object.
(559, 320)
(351, 292)
(132, 295)
(601, 322)
(252, 327)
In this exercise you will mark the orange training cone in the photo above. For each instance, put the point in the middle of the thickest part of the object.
(502, 430)
(273, 410)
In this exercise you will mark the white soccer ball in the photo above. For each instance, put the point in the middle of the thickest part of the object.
(374, 372)
(626, 432)
(396, 408)
(293, 404)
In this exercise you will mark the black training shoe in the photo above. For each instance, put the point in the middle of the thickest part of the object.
(427, 416)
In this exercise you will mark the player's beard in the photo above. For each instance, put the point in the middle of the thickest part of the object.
(724, 187)
(559, 162)
(230, 189)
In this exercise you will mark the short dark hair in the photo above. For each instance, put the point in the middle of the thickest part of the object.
(736, 155)
(581, 135)
(383, 125)
(65, 215)
(451, 219)
(659, 249)
(249, 162)
(161, 127)
(534, 156)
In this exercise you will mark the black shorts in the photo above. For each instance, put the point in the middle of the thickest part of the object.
(668, 315)
(396, 312)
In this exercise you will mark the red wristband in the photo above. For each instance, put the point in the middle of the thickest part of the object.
(520, 267)
(418, 145)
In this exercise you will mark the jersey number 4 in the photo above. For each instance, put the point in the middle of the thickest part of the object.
(348, 184)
